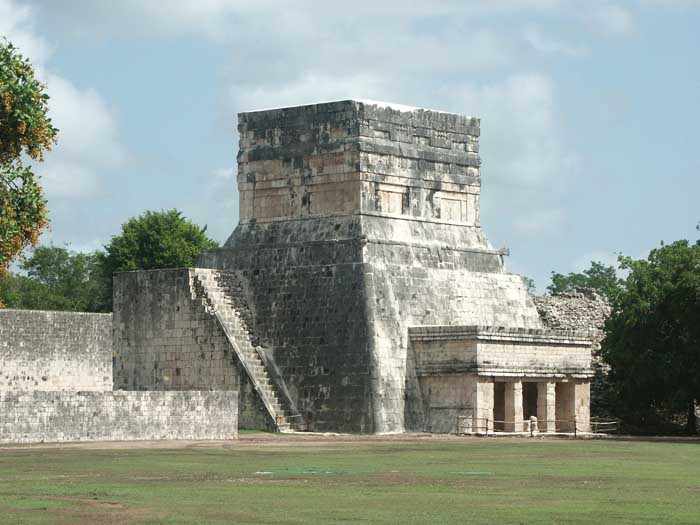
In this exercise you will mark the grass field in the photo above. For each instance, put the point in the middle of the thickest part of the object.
(288, 479)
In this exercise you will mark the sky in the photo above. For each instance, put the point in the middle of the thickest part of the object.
(589, 109)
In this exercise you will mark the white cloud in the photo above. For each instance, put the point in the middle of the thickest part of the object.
(673, 4)
(309, 88)
(548, 45)
(527, 163)
(87, 141)
(216, 204)
(539, 222)
(222, 19)
(16, 25)
(87, 138)
(608, 18)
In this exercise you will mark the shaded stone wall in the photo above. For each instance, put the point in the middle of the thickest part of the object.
(358, 221)
(165, 339)
(55, 350)
(33, 417)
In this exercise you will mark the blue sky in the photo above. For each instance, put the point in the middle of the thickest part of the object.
(589, 109)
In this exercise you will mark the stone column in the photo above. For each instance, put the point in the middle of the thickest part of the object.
(514, 406)
(546, 404)
(483, 413)
(566, 406)
(582, 393)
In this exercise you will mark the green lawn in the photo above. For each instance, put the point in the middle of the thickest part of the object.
(281, 479)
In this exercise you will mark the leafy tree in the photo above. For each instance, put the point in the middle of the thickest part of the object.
(600, 277)
(20, 291)
(163, 239)
(653, 336)
(25, 132)
(57, 279)
(531, 286)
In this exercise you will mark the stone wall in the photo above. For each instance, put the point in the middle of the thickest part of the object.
(447, 398)
(166, 339)
(33, 417)
(55, 350)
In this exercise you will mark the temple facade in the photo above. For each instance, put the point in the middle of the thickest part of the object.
(358, 292)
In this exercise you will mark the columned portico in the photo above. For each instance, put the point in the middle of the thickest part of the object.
(514, 374)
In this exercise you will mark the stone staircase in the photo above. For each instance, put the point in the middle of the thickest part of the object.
(221, 294)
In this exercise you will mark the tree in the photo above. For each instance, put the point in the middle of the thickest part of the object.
(531, 286)
(25, 131)
(57, 279)
(653, 336)
(600, 277)
(163, 239)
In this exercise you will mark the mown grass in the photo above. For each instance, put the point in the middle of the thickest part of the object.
(368, 481)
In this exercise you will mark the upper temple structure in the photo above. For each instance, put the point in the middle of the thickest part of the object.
(358, 292)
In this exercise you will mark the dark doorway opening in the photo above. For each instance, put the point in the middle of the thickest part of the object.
(529, 400)
(499, 406)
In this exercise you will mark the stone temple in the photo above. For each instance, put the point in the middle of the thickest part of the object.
(358, 292)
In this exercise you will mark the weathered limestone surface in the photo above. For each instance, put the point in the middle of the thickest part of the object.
(55, 350)
(166, 338)
(358, 221)
(42, 416)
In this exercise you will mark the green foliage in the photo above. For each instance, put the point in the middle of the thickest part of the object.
(531, 286)
(163, 239)
(20, 291)
(600, 277)
(653, 336)
(57, 279)
(25, 130)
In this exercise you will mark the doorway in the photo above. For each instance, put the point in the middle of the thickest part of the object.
(499, 406)
(529, 400)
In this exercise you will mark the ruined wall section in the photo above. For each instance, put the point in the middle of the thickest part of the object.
(165, 339)
(37, 417)
(55, 350)
(584, 310)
